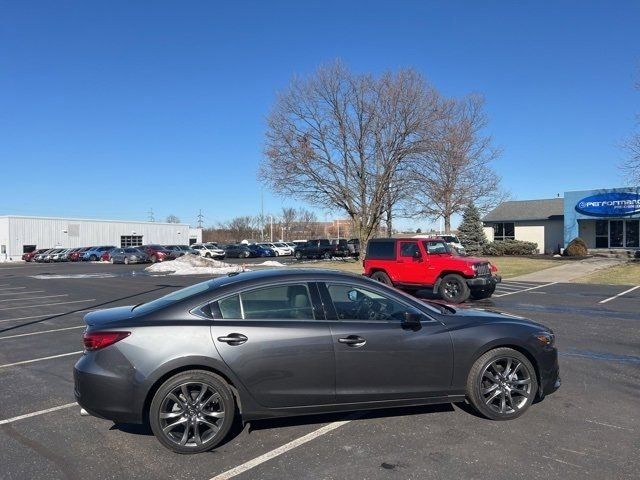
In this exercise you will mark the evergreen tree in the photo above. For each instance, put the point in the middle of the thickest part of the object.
(471, 232)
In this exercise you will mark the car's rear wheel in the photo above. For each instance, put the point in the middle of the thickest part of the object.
(382, 278)
(502, 384)
(192, 412)
(298, 255)
(93, 258)
(453, 288)
(327, 255)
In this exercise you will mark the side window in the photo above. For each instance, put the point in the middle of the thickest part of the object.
(409, 249)
(288, 302)
(435, 247)
(356, 303)
(227, 308)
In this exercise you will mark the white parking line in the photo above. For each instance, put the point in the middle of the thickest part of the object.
(619, 295)
(522, 284)
(39, 412)
(509, 287)
(43, 331)
(33, 298)
(279, 451)
(525, 290)
(24, 362)
(21, 293)
(49, 304)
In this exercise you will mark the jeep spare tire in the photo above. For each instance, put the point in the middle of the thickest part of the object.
(453, 288)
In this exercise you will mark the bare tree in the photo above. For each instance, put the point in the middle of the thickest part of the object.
(240, 228)
(287, 220)
(172, 219)
(336, 140)
(631, 165)
(455, 168)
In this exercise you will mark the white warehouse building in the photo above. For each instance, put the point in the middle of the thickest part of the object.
(21, 234)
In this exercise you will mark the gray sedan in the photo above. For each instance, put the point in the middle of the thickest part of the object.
(289, 342)
(127, 256)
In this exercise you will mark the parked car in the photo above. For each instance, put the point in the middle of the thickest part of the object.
(208, 250)
(94, 254)
(51, 254)
(77, 254)
(454, 242)
(413, 264)
(261, 251)
(278, 247)
(321, 248)
(190, 361)
(40, 257)
(180, 250)
(158, 253)
(341, 248)
(29, 257)
(106, 255)
(238, 251)
(354, 247)
(61, 256)
(127, 255)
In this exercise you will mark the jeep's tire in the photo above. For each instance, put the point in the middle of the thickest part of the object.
(481, 294)
(196, 422)
(453, 288)
(502, 384)
(382, 278)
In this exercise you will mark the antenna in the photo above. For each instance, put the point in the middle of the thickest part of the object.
(200, 217)
(151, 217)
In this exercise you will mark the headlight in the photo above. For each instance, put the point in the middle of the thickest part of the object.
(548, 339)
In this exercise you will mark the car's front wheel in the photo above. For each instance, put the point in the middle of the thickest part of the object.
(502, 384)
(298, 255)
(192, 411)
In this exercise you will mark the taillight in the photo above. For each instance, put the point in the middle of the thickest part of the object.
(98, 340)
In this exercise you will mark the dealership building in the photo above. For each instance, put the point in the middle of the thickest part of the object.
(20, 234)
(607, 218)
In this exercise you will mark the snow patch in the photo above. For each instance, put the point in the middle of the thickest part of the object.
(194, 265)
(269, 263)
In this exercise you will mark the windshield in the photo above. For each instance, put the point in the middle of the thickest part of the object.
(434, 247)
(172, 298)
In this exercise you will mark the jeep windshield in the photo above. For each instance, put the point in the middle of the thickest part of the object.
(435, 247)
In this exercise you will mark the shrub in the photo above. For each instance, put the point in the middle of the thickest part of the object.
(510, 247)
(576, 248)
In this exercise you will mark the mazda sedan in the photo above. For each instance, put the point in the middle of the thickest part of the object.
(293, 342)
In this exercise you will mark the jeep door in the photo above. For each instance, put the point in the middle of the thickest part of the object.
(411, 266)
(377, 357)
(273, 340)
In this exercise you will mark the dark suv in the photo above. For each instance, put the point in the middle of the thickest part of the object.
(321, 248)
(418, 263)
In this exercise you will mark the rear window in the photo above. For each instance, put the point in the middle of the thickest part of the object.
(381, 250)
(172, 298)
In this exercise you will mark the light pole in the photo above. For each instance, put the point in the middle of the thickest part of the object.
(271, 228)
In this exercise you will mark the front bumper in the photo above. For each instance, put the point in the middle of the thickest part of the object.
(484, 282)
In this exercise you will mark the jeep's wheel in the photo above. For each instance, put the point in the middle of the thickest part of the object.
(453, 288)
(481, 294)
(382, 278)
(502, 384)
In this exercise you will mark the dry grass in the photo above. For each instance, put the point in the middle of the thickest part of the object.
(627, 274)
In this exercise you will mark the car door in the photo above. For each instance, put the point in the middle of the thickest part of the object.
(411, 266)
(379, 359)
(278, 344)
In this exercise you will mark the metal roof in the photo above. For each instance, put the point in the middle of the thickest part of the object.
(527, 210)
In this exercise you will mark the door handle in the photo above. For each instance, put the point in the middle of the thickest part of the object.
(233, 339)
(352, 341)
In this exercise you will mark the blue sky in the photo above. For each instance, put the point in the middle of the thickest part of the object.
(108, 109)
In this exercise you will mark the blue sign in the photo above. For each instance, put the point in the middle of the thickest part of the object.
(611, 204)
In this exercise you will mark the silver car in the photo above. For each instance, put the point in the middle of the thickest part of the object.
(127, 255)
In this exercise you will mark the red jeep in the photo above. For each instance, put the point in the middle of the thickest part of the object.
(417, 263)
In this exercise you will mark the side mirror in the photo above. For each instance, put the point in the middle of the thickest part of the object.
(411, 321)
(353, 295)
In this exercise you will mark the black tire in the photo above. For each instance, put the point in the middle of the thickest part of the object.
(126, 260)
(480, 383)
(197, 415)
(453, 288)
(478, 294)
(153, 259)
(298, 255)
(327, 255)
(207, 255)
(111, 260)
(93, 258)
(382, 277)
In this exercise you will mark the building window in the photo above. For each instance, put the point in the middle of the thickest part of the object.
(504, 231)
(602, 233)
(130, 241)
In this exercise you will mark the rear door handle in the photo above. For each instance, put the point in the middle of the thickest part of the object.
(352, 341)
(233, 339)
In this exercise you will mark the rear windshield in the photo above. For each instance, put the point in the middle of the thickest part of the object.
(381, 250)
(172, 298)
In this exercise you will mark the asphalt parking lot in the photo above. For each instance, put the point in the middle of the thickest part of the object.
(589, 428)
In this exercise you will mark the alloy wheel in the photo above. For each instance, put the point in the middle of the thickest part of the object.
(506, 385)
(191, 414)
(452, 288)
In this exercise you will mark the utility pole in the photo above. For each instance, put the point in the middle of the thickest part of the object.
(261, 215)
(271, 228)
(150, 215)
(200, 217)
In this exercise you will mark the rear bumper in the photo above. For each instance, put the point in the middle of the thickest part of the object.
(484, 282)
